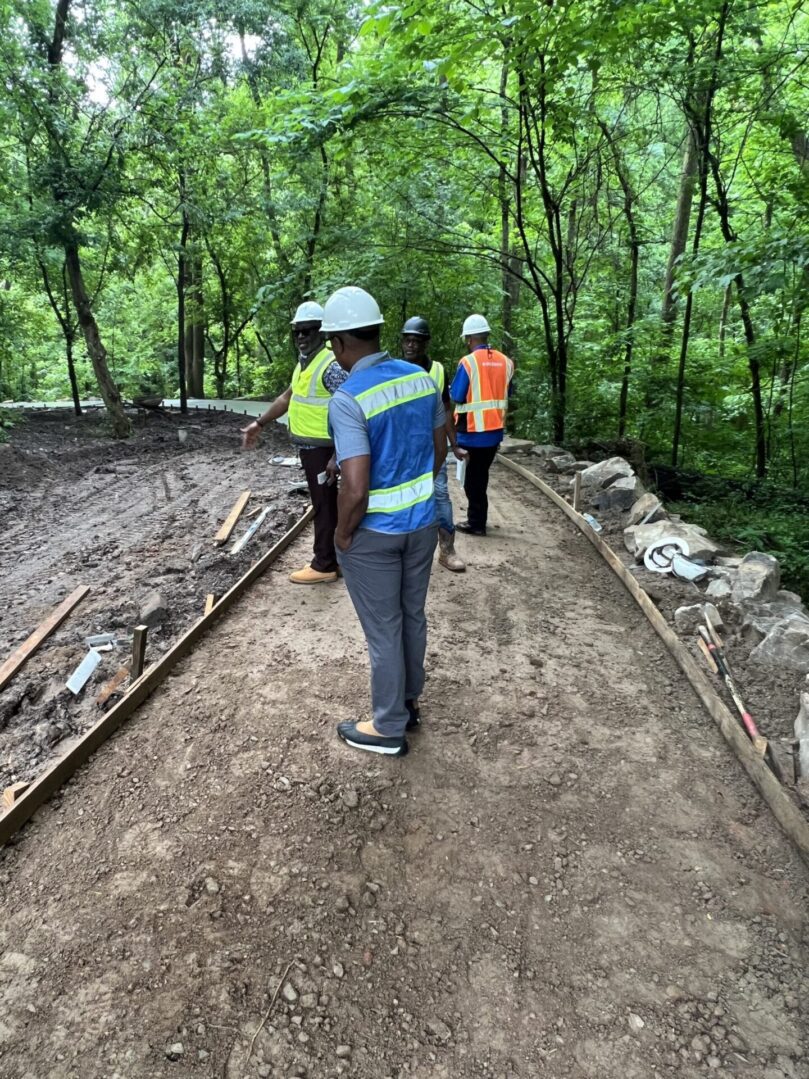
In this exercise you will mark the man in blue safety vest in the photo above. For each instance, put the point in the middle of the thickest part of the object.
(387, 421)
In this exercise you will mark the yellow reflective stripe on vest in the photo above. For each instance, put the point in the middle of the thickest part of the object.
(393, 499)
(438, 375)
(398, 391)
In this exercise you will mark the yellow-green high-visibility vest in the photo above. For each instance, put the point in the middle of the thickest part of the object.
(438, 375)
(309, 406)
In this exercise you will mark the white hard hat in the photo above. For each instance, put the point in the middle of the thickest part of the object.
(350, 308)
(309, 311)
(475, 324)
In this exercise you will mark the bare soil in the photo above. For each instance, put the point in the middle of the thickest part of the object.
(128, 519)
(568, 876)
(771, 692)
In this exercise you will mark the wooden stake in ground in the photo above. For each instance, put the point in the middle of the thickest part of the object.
(223, 535)
(62, 769)
(22, 654)
(139, 651)
(786, 812)
(12, 793)
(577, 492)
(210, 599)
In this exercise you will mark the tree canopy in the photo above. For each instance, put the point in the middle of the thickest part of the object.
(621, 186)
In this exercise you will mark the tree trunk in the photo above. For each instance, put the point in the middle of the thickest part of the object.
(729, 235)
(181, 280)
(509, 260)
(195, 328)
(679, 239)
(723, 321)
(701, 126)
(110, 394)
(71, 373)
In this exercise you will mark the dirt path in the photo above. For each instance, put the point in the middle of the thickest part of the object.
(568, 876)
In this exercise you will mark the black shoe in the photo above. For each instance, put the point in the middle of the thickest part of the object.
(465, 527)
(390, 747)
(414, 716)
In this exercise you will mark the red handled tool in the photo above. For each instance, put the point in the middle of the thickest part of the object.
(710, 644)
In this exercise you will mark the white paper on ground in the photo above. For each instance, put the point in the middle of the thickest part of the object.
(77, 680)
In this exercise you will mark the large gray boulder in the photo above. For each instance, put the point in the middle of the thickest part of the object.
(637, 538)
(620, 495)
(647, 505)
(512, 446)
(606, 472)
(686, 619)
(759, 619)
(786, 645)
(561, 462)
(757, 578)
(547, 451)
(802, 731)
(153, 611)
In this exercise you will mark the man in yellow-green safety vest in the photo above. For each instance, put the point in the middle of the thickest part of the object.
(315, 378)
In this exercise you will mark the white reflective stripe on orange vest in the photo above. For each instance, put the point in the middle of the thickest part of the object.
(486, 413)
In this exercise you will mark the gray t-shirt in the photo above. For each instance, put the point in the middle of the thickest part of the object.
(347, 422)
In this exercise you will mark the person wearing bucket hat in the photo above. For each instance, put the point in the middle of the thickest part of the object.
(315, 378)
(480, 391)
(387, 420)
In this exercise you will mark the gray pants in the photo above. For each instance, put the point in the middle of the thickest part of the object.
(387, 577)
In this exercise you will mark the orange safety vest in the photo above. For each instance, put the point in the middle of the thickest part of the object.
(489, 373)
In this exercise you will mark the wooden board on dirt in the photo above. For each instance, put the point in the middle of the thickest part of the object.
(61, 770)
(223, 535)
(782, 806)
(21, 655)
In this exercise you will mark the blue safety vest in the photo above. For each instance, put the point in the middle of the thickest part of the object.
(398, 402)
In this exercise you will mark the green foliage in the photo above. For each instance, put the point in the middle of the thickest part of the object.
(504, 159)
(761, 519)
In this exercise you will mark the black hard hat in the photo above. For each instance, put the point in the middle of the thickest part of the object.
(418, 326)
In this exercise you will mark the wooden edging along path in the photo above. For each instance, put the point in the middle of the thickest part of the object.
(61, 770)
(782, 806)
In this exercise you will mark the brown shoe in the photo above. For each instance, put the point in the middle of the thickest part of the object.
(307, 575)
(446, 552)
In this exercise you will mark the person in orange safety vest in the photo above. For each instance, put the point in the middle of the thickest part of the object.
(480, 391)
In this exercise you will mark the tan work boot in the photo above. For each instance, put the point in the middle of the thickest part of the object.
(307, 575)
(446, 552)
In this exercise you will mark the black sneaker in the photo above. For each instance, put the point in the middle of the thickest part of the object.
(468, 530)
(414, 716)
(390, 747)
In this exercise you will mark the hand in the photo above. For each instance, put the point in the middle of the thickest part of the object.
(461, 454)
(332, 471)
(250, 435)
(342, 541)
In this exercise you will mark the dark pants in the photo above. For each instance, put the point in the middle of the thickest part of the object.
(476, 482)
(324, 501)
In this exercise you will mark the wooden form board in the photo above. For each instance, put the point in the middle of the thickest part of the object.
(52, 779)
(22, 654)
(223, 535)
(783, 808)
